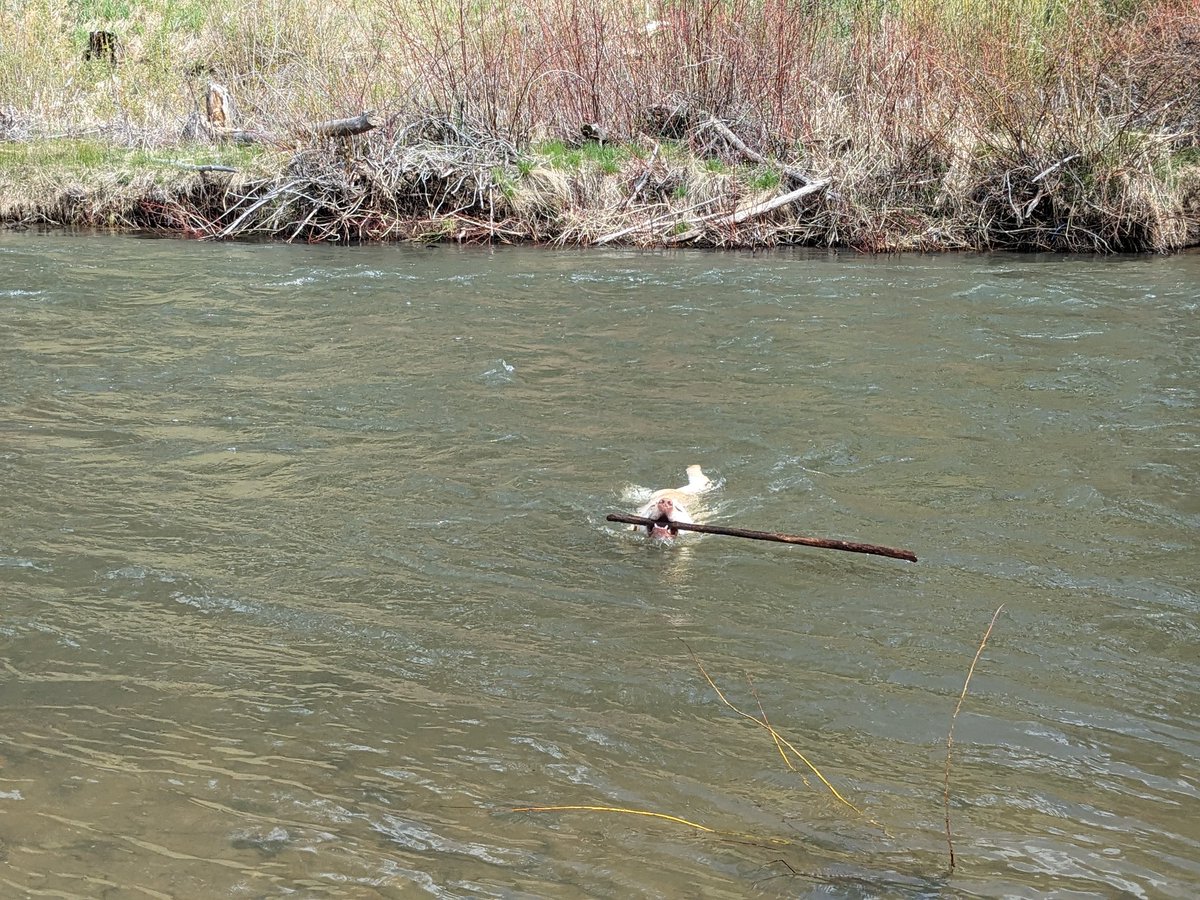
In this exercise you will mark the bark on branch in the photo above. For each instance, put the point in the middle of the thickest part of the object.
(346, 127)
(823, 543)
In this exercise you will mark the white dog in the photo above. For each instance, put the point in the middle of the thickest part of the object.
(672, 503)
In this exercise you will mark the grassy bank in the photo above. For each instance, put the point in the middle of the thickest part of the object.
(930, 124)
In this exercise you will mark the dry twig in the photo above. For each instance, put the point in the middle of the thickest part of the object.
(953, 719)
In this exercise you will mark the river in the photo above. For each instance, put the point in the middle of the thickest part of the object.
(308, 589)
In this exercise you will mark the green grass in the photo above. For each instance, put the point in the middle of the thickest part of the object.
(559, 155)
(104, 11)
(1188, 156)
(764, 179)
(608, 158)
(188, 16)
(84, 157)
(167, 15)
(503, 181)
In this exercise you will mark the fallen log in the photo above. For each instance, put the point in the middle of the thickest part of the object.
(672, 216)
(822, 543)
(192, 167)
(220, 112)
(346, 127)
(750, 212)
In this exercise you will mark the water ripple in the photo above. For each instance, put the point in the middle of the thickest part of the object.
(308, 584)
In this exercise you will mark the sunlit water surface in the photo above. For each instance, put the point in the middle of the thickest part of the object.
(306, 582)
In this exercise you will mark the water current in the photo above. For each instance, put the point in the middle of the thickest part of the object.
(306, 587)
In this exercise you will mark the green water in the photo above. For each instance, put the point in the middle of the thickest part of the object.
(305, 582)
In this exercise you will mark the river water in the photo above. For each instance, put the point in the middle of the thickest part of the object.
(308, 590)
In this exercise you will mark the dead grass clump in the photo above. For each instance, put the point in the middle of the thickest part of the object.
(1105, 199)
(1187, 189)
(541, 194)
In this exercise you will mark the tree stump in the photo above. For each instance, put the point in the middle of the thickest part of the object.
(102, 46)
(219, 108)
(593, 131)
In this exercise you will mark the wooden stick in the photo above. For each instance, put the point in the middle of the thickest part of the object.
(823, 543)
(641, 182)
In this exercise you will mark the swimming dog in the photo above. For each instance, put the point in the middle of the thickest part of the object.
(672, 503)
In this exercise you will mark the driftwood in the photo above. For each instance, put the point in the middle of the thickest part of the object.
(672, 216)
(822, 543)
(754, 156)
(807, 185)
(346, 127)
(219, 107)
(717, 219)
(1054, 168)
(749, 212)
(1028, 209)
(192, 167)
(640, 184)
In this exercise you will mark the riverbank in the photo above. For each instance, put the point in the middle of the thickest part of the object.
(922, 124)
